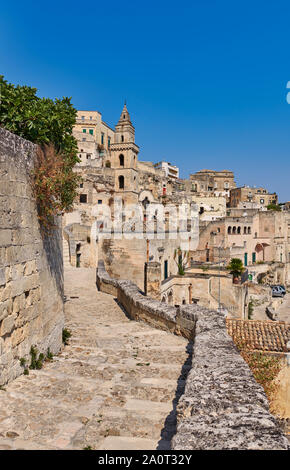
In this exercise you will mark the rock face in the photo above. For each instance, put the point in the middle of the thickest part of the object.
(222, 406)
(31, 268)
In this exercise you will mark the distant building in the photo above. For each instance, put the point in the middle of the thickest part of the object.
(94, 138)
(285, 206)
(170, 171)
(218, 183)
(259, 197)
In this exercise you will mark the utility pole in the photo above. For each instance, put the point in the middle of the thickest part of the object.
(220, 246)
(147, 254)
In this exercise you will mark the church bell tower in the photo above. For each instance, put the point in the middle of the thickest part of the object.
(124, 155)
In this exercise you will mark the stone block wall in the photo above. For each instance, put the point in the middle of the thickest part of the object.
(222, 406)
(31, 266)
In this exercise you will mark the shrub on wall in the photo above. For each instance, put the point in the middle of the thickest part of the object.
(48, 123)
(265, 368)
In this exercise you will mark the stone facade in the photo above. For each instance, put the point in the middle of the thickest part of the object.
(94, 137)
(259, 197)
(214, 182)
(31, 267)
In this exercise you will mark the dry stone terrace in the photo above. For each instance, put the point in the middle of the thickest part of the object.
(115, 385)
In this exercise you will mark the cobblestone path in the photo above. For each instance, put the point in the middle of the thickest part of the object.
(115, 385)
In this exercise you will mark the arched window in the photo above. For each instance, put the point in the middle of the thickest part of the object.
(239, 230)
(245, 230)
(122, 138)
(249, 229)
(121, 182)
(229, 230)
(234, 230)
(121, 159)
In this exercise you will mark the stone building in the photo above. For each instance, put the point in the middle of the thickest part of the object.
(263, 237)
(118, 173)
(246, 196)
(170, 171)
(121, 176)
(94, 138)
(215, 182)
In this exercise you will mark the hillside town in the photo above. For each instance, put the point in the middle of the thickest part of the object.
(230, 222)
(139, 311)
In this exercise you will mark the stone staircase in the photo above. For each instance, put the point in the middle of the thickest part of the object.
(65, 250)
(115, 386)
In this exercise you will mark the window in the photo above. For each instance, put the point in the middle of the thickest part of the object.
(89, 156)
(102, 138)
(84, 139)
(245, 230)
(91, 118)
(81, 185)
(91, 131)
(100, 201)
(239, 230)
(83, 198)
(109, 142)
(84, 131)
(262, 201)
(83, 118)
(121, 159)
(121, 182)
(165, 269)
(229, 230)
(122, 138)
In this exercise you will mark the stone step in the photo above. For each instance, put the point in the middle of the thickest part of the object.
(127, 443)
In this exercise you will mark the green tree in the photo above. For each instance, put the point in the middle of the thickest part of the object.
(48, 123)
(40, 120)
(236, 267)
(273, 207)
(182, 259)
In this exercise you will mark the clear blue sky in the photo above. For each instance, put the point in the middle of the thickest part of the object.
(205, 81)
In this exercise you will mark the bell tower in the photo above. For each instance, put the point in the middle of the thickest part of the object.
(124, 155)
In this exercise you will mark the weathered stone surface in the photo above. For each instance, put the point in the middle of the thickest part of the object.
(222, 407)
(31, 271)
(114, 386)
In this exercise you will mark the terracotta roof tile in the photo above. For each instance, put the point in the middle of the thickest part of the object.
(260, 335)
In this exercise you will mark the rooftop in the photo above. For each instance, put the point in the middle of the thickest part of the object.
(267, 336)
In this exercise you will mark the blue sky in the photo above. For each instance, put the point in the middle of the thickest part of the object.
(205, 81)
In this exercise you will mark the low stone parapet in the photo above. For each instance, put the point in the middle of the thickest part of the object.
(142, 308)
(222, 406)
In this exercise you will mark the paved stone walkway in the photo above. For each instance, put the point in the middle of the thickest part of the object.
(115, 385)
(282, 308)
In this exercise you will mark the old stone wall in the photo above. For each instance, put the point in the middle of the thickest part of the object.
(31, 267)
(222, 407)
